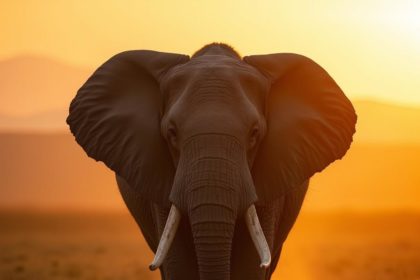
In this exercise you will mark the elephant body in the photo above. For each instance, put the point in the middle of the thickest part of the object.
(213, 153)
(277, 219)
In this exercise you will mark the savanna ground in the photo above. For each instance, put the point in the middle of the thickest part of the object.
(109, 246)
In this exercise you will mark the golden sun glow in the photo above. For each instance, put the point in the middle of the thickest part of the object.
(404, 18)
(372, 48)
(360, 217)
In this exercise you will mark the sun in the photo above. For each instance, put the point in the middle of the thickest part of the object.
(402, 17)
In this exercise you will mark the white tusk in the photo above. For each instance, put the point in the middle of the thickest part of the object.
(167, 237)
(257, 236)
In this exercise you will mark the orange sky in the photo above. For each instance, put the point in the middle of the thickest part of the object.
(372, 49)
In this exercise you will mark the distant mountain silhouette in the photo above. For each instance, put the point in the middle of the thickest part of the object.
(35, 84)
(45, 121)
(51, 170)
(386, 123)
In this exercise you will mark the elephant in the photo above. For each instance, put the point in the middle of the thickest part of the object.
(213, 153)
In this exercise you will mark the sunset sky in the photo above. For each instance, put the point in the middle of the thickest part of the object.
(360, 218)
(371, 48)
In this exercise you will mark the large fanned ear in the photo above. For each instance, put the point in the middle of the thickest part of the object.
(115, 117)
(310, 123)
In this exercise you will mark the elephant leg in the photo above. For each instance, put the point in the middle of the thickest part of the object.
(270, 217)
(142, 211)
(180, 262)
(292, 204)
(274, 261)
(277, 219)
(290, 210)
(245, 259)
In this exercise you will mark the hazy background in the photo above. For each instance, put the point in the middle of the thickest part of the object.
(361, 216)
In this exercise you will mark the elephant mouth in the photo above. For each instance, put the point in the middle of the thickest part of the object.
(213, 185)
(251, 220)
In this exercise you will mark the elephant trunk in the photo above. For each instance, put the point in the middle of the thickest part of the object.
(212, 209)
(213, 187)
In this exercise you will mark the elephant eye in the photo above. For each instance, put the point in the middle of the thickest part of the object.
(254, 136)
(171, 136)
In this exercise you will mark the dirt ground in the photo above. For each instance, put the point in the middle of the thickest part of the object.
(109, 246)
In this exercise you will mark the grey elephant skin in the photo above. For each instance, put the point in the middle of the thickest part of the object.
(199, 143)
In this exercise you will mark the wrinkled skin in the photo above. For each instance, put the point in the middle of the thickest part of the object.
(194, 90)
(218, 122)
(277, 219)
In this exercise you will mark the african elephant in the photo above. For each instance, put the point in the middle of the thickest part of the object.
(213, 153)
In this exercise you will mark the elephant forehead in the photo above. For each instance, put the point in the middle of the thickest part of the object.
(216, 66)
(217, 81)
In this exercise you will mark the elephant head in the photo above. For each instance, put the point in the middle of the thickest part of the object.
(212, 135)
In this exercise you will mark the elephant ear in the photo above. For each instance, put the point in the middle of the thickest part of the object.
(310, 123)
(115, 117)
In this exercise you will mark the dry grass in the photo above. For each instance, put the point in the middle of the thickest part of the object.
(353, 246)
(72, 247)
(109, 246)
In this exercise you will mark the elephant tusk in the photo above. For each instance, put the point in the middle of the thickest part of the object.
(167, 237)
(257, 236)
